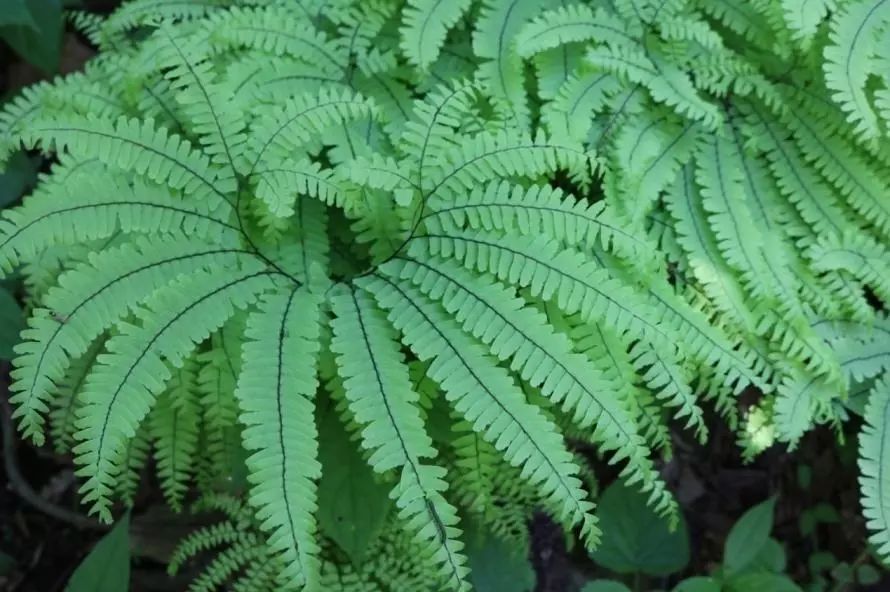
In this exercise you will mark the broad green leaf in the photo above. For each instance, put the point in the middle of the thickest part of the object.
(634, 538)
(698, 584)
(15, 12)
(353, 506)
(771, 558)
(495, 565)
(867, 575)
(11, 323)
(605, 586)
(107, 567)
(19, 174)
(748, 536)
(762, 582)
(40, 42)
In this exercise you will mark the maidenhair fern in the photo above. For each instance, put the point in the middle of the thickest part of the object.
(472, 228)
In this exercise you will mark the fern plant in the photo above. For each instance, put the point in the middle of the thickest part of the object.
(472, 228)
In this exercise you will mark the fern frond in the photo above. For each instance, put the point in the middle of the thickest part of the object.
(849, 60)
(204, 539)
(424, 26)
(570, 24)
(218, 122)
(534, 211)
(86, 209)
(477, 468)
(648, 165)
(66, 398)
(275, 30)
(281, 187)
(120, 391)
(858, 255)
(666, 82)
(138, 146)
(736, 364)
(558, 275)
(719, 175)
(377, 386)
(605, 349)
(173, 424)
(670, 383)
(220, 366)
(527, 440)
(582, 95)
(136, 13)
(798, 182)
(282, 132)
(433, 120)
(803, 17)
(874, 481)
(860, 184)
(494, 40)
(133, 464)
(275, 393)
(702, 254)
(507, 154)
(542, 357)
(89, 299)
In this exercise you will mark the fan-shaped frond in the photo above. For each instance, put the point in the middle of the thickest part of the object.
(276, 30)
(282, 133)
(506, 154)
(861, 185)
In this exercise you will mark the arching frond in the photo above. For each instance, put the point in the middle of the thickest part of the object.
(494, 41)
(173, 424)
(849, 59)
(874, 447)
(376, 383)
(275, 393)
(119, 392)
(138, 146)
(482, 392)
(88, 300)
(424, 26)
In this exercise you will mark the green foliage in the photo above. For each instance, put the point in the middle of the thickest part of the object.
(473, 229)
(33, 28)
(12, 321)
(748, 537)
(497, 566)
(107, 567)
(635, 539)
(751, 559)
